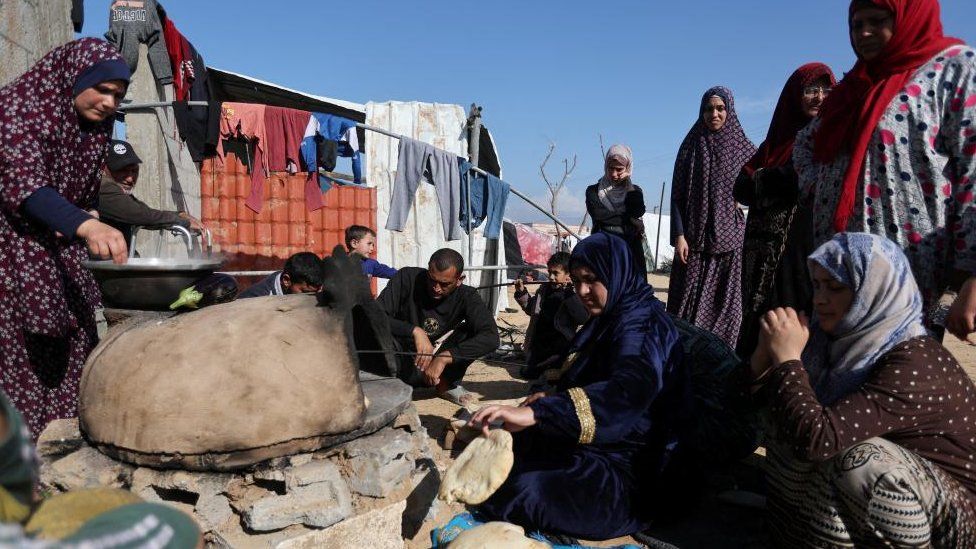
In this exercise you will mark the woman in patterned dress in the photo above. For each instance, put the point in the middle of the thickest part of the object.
(873, 434)
(55, 122)
(707, 225)
(778, 235)
(894, 150)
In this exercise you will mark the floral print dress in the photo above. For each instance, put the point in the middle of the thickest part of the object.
(919, 174)
(47, 297)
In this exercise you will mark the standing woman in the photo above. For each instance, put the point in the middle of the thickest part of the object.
(706, 224)
(616, 205)
(779, 232)
(55, 122)
(894, 152)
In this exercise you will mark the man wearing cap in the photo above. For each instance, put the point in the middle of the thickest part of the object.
(116, 204)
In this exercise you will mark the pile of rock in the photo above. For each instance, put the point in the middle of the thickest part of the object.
(372, 490)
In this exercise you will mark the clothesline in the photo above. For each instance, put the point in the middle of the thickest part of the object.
(483, 172)
(516, 192)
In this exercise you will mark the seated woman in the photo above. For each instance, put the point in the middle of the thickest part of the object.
(875, 422)
(584, 454)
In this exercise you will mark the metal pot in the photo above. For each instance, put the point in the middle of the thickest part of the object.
(148, 283)
(152, 283)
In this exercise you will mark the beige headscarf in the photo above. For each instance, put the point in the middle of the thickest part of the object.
(612, 194)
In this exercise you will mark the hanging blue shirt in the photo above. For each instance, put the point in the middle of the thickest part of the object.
(488, 198)
(333, 128)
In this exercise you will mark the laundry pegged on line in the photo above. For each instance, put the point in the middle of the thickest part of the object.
(326, 138)
(451, 176)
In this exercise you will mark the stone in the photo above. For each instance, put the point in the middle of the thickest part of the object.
(377, 529)
(200, 484)
(272, 475)
(385, 444)
(311, 473)
(234, 536)
(60, 438)
(213, 512)
(86, 468)
(378, 464)
(409, 419)
(318, 505)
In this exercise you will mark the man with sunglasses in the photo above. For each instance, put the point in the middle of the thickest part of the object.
(424, 305)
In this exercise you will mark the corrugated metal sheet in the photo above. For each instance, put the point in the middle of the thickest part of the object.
(263, 241)
(444, 127)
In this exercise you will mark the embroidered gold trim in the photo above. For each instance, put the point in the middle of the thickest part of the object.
(585, 415)
(553, 375)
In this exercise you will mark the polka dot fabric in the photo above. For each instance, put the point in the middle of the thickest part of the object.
(918, 396)
(919, 173)
(47, 299)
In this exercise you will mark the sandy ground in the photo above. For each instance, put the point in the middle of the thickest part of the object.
(493, 381)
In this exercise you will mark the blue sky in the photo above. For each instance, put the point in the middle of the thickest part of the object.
(544, 71)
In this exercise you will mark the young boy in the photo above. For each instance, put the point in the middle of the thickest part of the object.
(556, 312)
(303, 274)
(361, 241)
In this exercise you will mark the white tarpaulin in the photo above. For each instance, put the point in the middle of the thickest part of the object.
(443, 126)
(663, 247)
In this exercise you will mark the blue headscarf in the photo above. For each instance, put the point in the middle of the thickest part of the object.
(102, 71)
(887, 310)
(632, 315)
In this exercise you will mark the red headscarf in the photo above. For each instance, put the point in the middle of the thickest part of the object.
(851, 113)
(789, 118)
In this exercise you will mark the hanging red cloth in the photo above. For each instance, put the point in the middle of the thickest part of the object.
(284, 131)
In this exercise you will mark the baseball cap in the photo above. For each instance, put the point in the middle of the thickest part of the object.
(120, 155)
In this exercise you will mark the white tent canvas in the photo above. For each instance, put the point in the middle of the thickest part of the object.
(657, 241)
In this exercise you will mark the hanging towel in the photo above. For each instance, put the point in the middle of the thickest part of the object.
(488, 198)
(285, 129)
(247, 120)
(417, 159)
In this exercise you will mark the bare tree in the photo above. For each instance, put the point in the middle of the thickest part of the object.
(556, 187)
(586, 214)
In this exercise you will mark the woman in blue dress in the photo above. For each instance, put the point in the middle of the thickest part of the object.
(588, 455)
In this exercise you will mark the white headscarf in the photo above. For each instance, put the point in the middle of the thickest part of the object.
(612, 194)
(886, 310)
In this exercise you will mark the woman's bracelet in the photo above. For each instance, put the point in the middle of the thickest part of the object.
(761, 379)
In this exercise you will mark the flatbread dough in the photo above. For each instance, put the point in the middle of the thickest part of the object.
(492, 535)
(480, 469)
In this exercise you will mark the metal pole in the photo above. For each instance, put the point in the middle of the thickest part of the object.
(546, 212)
(660, 215)
(479, 170)
(474, 152)
(466, 268)
(131, 105)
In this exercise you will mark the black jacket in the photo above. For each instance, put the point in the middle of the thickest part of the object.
(405, 299)
(606, 220)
